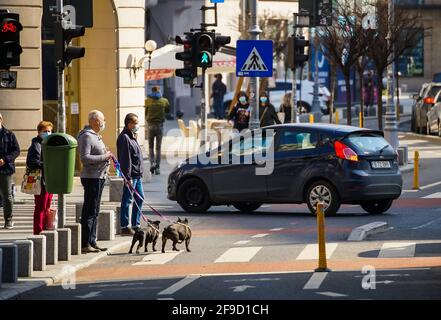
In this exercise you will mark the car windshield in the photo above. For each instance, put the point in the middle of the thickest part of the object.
(433, 91)
(368, 143)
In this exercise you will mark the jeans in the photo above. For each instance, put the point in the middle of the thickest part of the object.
(93, 189)
(218, 107)
(6, 195)
(155, 131)
(127, 200)
(42, 206)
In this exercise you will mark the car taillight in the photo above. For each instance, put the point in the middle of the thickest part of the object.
(342, 151)
(429, 100)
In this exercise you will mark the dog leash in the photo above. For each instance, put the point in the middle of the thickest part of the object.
(133, 191)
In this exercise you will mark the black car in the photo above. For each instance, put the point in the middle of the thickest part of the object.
(424, 104)
(333, 164)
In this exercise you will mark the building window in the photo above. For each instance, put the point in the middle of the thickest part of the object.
(411, 63)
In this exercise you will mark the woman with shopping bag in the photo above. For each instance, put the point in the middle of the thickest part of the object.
(34, 163)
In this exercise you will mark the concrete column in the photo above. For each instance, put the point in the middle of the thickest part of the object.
(75, 233)
(64, 244)
(116, 189)
(9, 262)
(51, 246)
(39, 255)
(25, 257)
(106, 225)
(118, 220)
(78, 212)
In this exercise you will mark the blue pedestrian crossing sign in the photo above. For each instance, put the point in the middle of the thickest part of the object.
(254, 58)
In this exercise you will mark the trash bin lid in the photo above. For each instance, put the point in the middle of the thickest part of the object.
(60, 139)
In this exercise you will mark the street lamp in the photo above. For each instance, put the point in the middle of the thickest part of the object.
(150, 46)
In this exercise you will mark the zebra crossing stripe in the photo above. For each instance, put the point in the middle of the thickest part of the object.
(310, 252)
(397, 250)
(157, 258)
(436, 195)
(243, 254)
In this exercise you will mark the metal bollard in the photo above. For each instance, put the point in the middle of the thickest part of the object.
(416, 160)
(311, 118)
(336, 117)
(322, 264)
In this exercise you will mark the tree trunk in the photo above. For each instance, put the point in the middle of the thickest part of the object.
(332, 91)
(361, 82)
(380, 99)
(348, 97)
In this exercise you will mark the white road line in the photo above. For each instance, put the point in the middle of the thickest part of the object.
(244, 254)
(315, 281)
(397, 250)
(412, 190)
(426, 224)
(276, 229)
(179, 285)
(260, 235)
(430, 185)
(242, 242)
(436, 195)
(332, 294)
(157, 258)
(310, 252)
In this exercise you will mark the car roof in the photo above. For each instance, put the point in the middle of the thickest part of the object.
(333, 129)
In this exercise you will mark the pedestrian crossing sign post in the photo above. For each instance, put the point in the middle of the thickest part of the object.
(254, 58)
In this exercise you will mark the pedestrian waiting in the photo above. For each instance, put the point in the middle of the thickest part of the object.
(96, 161)
(267, 113)
(131, 165)
(34, 162)
(241, 112)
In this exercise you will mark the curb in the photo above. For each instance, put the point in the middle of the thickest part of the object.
(25, 286)
(360, 233)
(417, 135)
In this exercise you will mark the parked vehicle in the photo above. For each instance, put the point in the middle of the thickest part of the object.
(281, 87)
(416, 99)
(423, 106)
(334, 164)
(434, 116)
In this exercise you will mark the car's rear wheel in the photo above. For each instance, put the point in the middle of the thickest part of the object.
(193, 196)
(247, 206)
(377, 206)
(322, 191)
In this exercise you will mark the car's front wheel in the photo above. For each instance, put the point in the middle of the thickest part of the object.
(247, 206)
(193, 196)
(324, 192)
(377, 206)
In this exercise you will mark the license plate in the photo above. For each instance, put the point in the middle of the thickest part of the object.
(380, 164)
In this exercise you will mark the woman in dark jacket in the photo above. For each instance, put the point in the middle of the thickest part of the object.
(285, 107)
(34, 161)
(241, 112)
(267, 113)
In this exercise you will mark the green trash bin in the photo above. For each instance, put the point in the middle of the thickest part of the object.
(59, 162)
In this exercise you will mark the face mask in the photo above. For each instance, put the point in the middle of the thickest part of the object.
(263, 99)
(135, 129)
(243, 100)
(45, 134)
(102, 126)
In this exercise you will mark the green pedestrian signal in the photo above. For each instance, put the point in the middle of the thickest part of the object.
(205, 59)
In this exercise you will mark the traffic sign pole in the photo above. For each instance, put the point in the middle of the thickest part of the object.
(254, 32)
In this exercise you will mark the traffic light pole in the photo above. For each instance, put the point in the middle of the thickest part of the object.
(61, 122)
(254, 32)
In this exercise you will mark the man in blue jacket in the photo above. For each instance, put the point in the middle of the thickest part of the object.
(131, 161)
(9, 151)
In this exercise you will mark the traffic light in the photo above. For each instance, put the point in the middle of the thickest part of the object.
(189, 72)
(220, 41)
(296, 52)
(64, 51)
(205, 49)
(10, 48)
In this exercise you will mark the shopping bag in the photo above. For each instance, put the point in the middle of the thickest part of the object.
(51, 219)
(31, 183)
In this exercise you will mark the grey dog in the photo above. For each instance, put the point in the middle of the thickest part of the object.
(177, 232)
(148, 234)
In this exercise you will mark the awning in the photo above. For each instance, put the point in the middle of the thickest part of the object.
(163, 63)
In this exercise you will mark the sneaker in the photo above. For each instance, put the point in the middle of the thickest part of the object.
(157, 171)
(89, 249)
(127, 232)
(9, 225)
(99, 248)
(152, 169)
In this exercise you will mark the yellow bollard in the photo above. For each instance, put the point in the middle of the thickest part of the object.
(416, 160)
(322, 264)
(311, 118)
(360, 120)
(336, 117)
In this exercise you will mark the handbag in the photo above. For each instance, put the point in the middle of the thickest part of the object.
(51, 218)
(31, 183)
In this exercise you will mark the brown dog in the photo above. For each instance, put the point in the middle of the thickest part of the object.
(148, 234)
(177, 233)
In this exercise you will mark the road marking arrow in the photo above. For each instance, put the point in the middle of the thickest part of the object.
(241, 288)
(92, 294)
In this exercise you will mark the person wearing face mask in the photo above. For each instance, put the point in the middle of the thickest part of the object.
(267, 113)
(240, 113)
(96, 161)
(34, 161)
(130, 158)
(9, 151)
(156, 107)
